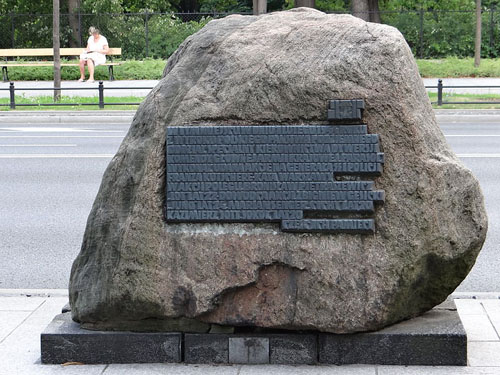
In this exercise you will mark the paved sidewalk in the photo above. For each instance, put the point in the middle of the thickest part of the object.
(24, 314)
(465, 82)
(138, 87)
(67, 117)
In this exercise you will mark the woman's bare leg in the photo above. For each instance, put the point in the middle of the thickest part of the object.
(90, 65)
(82, 69)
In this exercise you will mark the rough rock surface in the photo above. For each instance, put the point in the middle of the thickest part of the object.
(135, 271)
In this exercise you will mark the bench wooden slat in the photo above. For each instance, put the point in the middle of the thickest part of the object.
(38, 52)
(34, 52)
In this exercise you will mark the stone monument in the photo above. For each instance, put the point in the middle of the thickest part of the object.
(287, 172)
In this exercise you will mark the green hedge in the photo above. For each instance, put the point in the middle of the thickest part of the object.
(457, 67)
(132, 69)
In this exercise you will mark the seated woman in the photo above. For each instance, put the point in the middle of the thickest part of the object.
(94, 55)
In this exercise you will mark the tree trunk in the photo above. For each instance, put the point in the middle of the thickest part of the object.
(360, 9)
(57, 50)
(374, 11)
(305, 3)
(259, 7)
(477, 49)
(73, 9)
(367, 10)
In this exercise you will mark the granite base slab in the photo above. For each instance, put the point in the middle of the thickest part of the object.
(435, 338)
(252, 348)
(64, 341)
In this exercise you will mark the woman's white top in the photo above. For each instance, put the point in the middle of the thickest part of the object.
(98, 58)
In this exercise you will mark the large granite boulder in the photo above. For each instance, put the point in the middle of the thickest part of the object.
(135, 271)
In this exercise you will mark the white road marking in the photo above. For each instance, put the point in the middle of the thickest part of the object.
(478, 155)
(62, 136)
(458, 123)
(37, 145)
(45, 156)
(40, 129)
(472, 135)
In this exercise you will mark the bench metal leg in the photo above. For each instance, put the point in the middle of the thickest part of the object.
(5, 74)
(111, 76)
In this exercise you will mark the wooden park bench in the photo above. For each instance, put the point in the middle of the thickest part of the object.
(42, 52)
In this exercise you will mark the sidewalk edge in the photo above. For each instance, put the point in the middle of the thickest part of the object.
(33, 292)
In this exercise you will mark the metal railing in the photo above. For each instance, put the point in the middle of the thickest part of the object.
(100, 89)
(440, 88)
(101, 103)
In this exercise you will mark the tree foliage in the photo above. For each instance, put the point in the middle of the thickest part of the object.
(433, 28)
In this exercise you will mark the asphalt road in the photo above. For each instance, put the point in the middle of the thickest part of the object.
(476, 140)
(50, 174)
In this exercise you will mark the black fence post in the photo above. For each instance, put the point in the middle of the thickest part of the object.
(101, 95)
(12, 92)
(421, 33)
(440, 92)
(146, 31)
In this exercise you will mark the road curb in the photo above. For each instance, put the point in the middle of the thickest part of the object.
(475, 295)
(59, 117)
(467, 112)
(33, 292)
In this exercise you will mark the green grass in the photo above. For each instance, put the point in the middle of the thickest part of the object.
(43, 103)
(454, 67)
(466, 98)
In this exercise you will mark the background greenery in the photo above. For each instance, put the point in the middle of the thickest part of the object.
(155, 28)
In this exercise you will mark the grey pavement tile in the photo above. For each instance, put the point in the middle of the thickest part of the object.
(492, 306)
(171, 369)
(308, 370)
(469, 307)
(441, 370)
(9, 320)
(20, 303)
(22, 347)
(39, 369)
(20, 351)
(479, 328)
(484, 354)
(495, 320)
